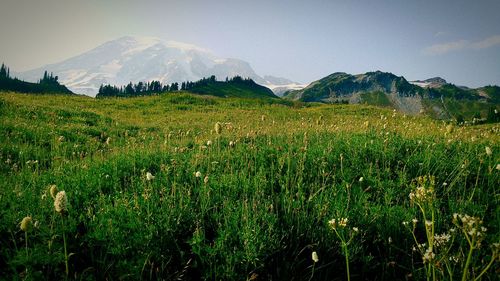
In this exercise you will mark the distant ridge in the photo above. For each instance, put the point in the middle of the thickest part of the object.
(433, 96)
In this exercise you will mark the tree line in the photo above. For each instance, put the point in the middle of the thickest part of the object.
(47, 84)
(156, 87)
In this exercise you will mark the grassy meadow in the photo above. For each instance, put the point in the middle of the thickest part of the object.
(189, 187)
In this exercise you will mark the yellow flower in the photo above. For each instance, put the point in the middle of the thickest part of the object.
(53, 191)
(26, 224)
(218, 128)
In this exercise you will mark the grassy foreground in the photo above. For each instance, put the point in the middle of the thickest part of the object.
(157, 190)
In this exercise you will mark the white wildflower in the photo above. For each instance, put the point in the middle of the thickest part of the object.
(314, 257)
(428, 255)
(149, 176)
(61, 202)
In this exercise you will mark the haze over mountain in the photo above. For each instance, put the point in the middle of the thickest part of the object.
(134, 59)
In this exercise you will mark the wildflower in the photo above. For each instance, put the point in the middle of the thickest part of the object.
(149, 176)
(498, 167)
(428, 255)
(218, 128)
(53, 191)
(343, 222)
(263, 118)
(389, 240)
(361, 179)
(205, 180)
(488, 151)
(442, 239)
(108, 140)
(424, 191)
(61, 202)
(197, 174)
(209, 143)
(26, 224)
(231, 144)
(470, 225)
(332, 223)
(314, 257)
(355, 229)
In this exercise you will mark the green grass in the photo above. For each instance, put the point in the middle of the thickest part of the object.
(267, 201)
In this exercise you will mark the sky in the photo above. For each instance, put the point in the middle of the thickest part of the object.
(304, 41)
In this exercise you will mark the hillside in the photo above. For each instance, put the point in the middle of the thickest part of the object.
(434, 96)
(234, 87)
(46, 85)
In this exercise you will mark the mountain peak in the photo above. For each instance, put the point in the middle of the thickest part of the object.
(434, 82)
(135, 59)
(144, 42)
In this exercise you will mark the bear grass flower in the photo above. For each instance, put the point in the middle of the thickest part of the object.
(218, 128)
(53, 191)
(27, 224)
(149, 176)
(61, 202)
(314, 257)
(488, 150)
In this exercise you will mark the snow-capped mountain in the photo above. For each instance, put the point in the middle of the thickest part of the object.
(134, 59)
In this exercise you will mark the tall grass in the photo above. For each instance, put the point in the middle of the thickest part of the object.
(261, 204)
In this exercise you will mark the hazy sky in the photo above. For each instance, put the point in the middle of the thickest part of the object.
(458, 40)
